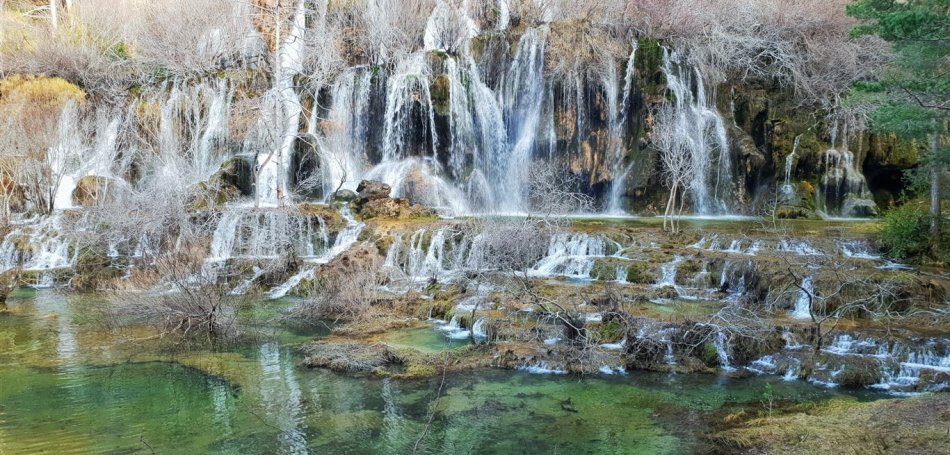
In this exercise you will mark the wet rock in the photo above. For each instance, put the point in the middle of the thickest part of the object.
(858, 207)
(391, 208)
(345, 196)
(91, 190)
(370, 190)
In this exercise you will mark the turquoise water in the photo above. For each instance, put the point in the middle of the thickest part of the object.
(69, 386)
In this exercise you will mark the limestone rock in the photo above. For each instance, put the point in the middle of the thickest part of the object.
(371, 190)
(859, 207)
(345, 196)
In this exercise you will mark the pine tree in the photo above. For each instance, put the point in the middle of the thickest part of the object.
(913, 95)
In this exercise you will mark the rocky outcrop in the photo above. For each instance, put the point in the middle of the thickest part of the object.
(91, 190)
(374, 202)
(370, 190)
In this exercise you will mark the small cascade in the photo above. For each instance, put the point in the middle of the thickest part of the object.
(267, 234)
(37, 247)
(858, 249)
(541, 368)
(802, 308)
(722, 351)
(787, 189)
(622, 272)
(345, 239)
(668, 273)
(615, 346)
(800, 248)
(293, 282)
(698, 120)
(478, 330)
(454, 329)
(571, 255)
(245, 285)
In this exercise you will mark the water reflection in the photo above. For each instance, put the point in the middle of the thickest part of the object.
(62, 391)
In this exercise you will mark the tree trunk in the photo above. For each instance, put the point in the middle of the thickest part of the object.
(935, 171)
(53, 7)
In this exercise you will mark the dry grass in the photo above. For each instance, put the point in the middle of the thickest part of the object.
(911, 426)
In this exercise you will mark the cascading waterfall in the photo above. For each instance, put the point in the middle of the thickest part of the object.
(571, 255)
(284, 116)
(787, 188)
(802, 308)
(843, 189)
(668, 273)
(618, 130)
(409, 111)
(343, 137)
(267, 234)
(698, 120)
(38, 247)
(522, 99)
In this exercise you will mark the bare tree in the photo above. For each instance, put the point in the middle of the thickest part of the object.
(677, 160)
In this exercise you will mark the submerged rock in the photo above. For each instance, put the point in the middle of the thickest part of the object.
(351, 357)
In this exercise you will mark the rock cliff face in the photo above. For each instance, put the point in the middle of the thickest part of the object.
(460, 129)
(468, 125)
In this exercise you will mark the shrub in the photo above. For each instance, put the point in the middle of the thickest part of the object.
(904, 233)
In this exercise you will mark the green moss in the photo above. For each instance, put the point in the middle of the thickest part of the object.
(609, 332)
(441, 95)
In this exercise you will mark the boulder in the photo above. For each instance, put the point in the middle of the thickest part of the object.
(859, 207)
(345, 196)
(371, 190)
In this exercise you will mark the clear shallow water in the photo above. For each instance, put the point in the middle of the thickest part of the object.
(68, 387)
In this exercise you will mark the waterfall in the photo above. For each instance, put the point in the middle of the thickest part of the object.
(858, 249)
(285, 106)
(618, 130)
(408, 105)
(571, 255)
(38, 247)
(802, 308)
(293, 282)
(787, 187)
(454, 330)
(698, 120)
(622, 272)
(668, 273)
(245, 286)
(343, 137)
(522, 100)
(266, 234)
(722, 351)
(478, 330)
(345, 239)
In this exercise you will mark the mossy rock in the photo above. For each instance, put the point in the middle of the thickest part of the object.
(92, 190)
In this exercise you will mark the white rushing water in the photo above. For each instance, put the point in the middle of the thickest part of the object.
(802, 309)
(571, 255)
(698, 120)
